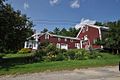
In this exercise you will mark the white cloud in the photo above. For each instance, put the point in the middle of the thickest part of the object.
(26, 6)
(75, 4)
(84, 22)
(53, 2)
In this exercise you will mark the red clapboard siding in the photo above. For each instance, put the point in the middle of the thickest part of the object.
(92, 34)
(54, 40)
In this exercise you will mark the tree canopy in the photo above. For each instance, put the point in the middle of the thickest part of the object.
(72, 32)
(15, 27)
(111, 38)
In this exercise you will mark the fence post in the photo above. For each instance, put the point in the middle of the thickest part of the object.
(119, 65)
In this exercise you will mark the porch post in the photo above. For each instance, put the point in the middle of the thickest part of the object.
(25, 44)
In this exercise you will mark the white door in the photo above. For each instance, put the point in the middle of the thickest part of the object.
(64, 46)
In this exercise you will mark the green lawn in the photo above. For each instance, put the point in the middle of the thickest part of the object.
(11, 55)
(61, 65)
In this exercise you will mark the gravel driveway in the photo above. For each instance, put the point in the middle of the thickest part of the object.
(100, 73)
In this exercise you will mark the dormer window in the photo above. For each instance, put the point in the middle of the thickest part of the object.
(46, 36)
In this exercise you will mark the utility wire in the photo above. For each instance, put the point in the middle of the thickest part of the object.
(56, 22)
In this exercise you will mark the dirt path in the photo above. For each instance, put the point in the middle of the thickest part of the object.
(100, 73)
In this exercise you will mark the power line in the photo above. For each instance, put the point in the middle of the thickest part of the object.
(56, 22)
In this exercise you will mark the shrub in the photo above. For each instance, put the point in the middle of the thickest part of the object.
(62, 50)
(1, 55)
(82, 54)
(43, 44)
(40, 54)
(25, 50)
(95, 54)
(60, 57)
(70, 54)
(51, 56)
(51, 47)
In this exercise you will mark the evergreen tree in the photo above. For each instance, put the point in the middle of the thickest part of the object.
(63, 32)
(56, 31)
(44, 30)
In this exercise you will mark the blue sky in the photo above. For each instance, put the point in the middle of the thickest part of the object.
(71, 11)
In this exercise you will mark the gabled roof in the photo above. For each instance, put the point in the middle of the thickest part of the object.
(94, 26)
(62, 36)
(59, 36)
(101, 27)
(36, 35)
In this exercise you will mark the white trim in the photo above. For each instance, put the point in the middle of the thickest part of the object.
(94, 26)
(36, 36)
(40, 34)
(64, 46)
(100, 35)
(77, 45)
(85, 37)
(47, 36)
(63, 36)
(79, 32)
(25, 44)
(81, 44)
(87, 28)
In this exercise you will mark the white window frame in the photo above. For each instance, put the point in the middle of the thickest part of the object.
(66, 46)
(86, 37)
(46, 36)
(65, 39)
(59, 39)
(71, 40)
(83, 30)
(75, 44)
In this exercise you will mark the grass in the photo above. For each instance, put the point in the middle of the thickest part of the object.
(17, 55)
(61, 65)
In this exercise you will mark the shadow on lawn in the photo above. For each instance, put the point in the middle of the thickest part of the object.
(8, 63)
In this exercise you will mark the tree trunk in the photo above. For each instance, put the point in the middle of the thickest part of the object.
(117, 51)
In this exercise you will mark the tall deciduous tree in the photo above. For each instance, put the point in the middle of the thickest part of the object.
(14, 28)
(113, 40)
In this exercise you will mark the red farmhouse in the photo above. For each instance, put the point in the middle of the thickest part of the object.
(86, 37)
